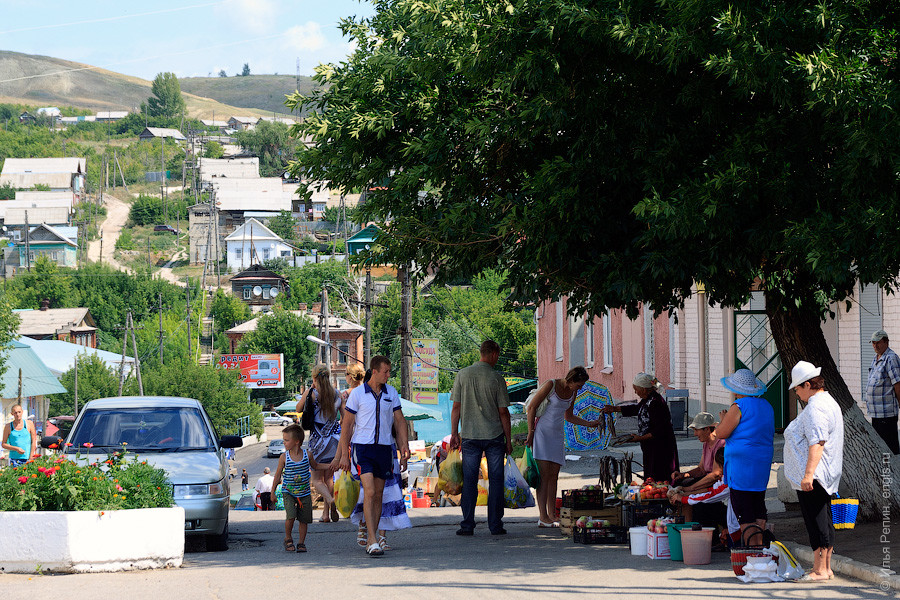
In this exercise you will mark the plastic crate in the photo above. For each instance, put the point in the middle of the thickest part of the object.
(606, 535)
(635, 514)
(582, 499)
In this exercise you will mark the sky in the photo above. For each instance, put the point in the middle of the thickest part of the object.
(192, 38)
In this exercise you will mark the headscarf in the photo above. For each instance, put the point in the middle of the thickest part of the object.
(644, 380)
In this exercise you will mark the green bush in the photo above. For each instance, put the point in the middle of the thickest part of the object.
(125, 241)
(51, 483)
(150, 210)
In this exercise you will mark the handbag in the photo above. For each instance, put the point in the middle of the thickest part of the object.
(309, 412)
(542, 407)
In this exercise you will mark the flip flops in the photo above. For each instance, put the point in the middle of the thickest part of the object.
(544, 525)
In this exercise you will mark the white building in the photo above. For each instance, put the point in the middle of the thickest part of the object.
(253, 243)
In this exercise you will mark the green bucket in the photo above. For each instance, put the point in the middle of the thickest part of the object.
(675, 539)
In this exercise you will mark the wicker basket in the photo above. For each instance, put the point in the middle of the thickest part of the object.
(843, 512)
(739, 554)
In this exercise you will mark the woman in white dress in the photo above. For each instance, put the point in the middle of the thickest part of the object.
(546, 435)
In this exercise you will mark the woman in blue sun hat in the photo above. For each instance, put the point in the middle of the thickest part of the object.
(749, 427)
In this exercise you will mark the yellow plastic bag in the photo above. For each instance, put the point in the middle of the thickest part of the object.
(482, 493)
(346, 493)
(451, 473)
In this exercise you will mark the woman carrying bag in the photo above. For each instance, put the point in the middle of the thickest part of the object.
(553, 404)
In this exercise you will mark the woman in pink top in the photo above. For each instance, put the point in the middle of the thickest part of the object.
(707, 472)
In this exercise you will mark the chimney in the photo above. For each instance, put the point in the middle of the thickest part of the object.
(303, 306)
(317, 308)
(45, 304)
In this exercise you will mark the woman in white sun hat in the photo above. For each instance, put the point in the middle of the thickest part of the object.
(813, 462)
(749, 427)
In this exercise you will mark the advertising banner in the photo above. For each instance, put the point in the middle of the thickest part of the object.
(257, 371)
(425, 370)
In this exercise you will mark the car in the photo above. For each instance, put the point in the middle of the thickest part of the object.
(275, 449)
(165, 228)
(273, 418)
(174, 434)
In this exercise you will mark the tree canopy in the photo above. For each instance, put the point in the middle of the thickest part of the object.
(166, 100)
(272, 143)
(618, 151)
(283, 332)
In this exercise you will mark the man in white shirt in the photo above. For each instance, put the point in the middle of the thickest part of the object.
(264, 489)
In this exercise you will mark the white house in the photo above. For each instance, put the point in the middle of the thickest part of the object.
(253, 243)
(58, 174)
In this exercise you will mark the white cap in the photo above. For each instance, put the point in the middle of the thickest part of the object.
(802, 372)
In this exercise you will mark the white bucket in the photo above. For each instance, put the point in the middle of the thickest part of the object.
(638, 540)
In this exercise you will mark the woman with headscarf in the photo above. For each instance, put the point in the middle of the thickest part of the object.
(749, 427)
(655, 432)
(814, 461)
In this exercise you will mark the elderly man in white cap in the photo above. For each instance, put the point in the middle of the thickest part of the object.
(705, 474)
(883, 389)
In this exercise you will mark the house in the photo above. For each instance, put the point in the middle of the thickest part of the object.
(57, 174)
(26, 118)
(49, 242)
(363, 239)
(242, 123)
(152, 133)
(53, 208)
(345, 336)
(111, 115)
(252, 243)
(76, 120)
(283, 120)
(75, 325)
(220, 125)
(212, 169)
(258, 287)
(199, 238)
(60, 356)
(25, 368)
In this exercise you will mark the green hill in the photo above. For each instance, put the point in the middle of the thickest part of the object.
(263, 92)
(82, 86)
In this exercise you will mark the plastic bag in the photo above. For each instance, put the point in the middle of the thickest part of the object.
(516, 493)
(482, 493)
(346, 493)
(531, 472)
(761, 573)
(788, 567)
(451, 473)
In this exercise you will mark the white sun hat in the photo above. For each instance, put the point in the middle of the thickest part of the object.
(802, 372)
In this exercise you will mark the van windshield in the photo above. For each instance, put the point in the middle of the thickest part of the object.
(143, 430)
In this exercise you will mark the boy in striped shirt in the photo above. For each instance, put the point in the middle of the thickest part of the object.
(294, 466)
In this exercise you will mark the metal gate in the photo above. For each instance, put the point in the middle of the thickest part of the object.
(754, 349)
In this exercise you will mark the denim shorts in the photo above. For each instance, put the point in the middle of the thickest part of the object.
(376, 459)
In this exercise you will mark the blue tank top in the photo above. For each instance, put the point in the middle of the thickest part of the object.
(295, 477)
(20, 438)
(750, 448)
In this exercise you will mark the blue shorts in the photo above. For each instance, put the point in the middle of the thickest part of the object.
(17, 462)
(376, 459)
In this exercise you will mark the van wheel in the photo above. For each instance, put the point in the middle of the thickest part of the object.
(218, 543)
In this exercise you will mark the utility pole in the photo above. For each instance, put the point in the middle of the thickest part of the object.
(137, 360)
(27, 244)
(129, 330)
(187, 290)
(367, 341)
(160, 331)
(76, 387)
(326, 350)
(405, 330)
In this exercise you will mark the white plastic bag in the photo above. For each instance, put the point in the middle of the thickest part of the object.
(788, 567)
(516, 493)
(760, 572)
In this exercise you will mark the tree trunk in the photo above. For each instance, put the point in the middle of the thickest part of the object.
(869, 465)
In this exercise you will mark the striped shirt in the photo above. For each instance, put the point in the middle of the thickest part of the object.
(295, 480)
(883, 374)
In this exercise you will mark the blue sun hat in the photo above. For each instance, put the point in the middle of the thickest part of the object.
(745, 383)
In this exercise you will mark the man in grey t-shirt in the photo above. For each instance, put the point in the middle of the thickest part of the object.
(480, 402)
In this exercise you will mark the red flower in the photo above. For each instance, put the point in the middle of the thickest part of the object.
(88, 445)
(53, 446)
(69, 444)
(119, 487)
(42, 470)
(23, 479)
(35, 456)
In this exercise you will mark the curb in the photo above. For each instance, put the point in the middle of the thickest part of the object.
(883, 578)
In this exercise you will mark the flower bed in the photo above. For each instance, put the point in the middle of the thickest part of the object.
(111, 515)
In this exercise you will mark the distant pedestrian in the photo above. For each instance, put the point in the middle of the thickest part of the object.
(294, 465)
(264, 488)
(19, 437)
(479, 425)
(883, 389)
(245, 480)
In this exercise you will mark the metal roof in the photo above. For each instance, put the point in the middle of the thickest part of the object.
(44, 322)
(60, 356)
(37, 380)
(69, 165)
(334, 323)
(162, 132)
(263, 193)
(212, 169)
(252, 231)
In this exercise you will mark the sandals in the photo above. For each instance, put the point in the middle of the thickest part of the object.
(362, 536)
(544, 525)
(375, 550)
(289, 546)
(382, 541)
(301, 547)
(335, 515)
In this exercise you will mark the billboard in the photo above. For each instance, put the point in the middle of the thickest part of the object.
(425, 370)
(257, 371)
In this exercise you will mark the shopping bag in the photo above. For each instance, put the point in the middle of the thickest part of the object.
(482, 493)
(346, 493)
(788, 567)
(516, 493)
(451, 475)
(531, 473)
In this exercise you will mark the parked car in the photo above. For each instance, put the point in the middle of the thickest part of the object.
(275, 449)
(174, 434)
(273, 418)
(165, 228)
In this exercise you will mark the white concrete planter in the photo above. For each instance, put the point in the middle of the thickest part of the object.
(91, 541)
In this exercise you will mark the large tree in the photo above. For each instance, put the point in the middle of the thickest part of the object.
(166, 100)
(283, 332)
(618, 151)
(272, 143)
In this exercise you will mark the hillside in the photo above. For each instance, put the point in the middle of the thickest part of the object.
(93, 89)
(264, 92)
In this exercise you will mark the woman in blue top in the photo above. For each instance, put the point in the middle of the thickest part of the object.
(19, 437)
(749, 427)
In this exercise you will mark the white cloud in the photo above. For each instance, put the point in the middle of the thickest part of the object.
(305, 38)
(254, 16)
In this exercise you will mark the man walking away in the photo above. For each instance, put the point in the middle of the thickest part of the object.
(264, 489)
(480, 403)
(883, 389)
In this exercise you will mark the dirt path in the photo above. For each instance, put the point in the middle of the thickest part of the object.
(116, 217)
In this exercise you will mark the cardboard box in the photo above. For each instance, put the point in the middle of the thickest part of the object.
(658, 546)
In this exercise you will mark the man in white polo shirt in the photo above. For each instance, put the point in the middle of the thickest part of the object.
(371, 410)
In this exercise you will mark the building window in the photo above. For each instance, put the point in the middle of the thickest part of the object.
(343, 350)
(285, 252)
(238, 252)
(607, 341)
(560, 317)
(265, 254)
(266, 294)
(649, 342)
(576, 341)
(246, 293)
(588, 341)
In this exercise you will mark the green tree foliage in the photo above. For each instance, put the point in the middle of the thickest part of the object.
(617, 152)
(46, 280)
(245, 70)
(7, 192)
(222, 73)
(166, 100)
(9, 323)
(125, 241)
(149, 210)
(282, 225)
(283, 332)
(306, 284)
(95, 380)
(272, 143)
(228, 310)
(213, 150)
(332, 214)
